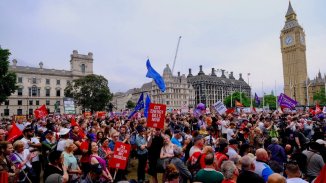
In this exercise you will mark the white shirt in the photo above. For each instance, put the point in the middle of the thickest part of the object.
(193, 149)
(33, 140)
(295, 180)
(224, 125)
(229, 133)
(61, 145)
(231, 152)
(23, 156)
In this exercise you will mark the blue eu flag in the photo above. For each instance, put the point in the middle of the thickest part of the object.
(147, 102)
(151, 73)
(139, 105)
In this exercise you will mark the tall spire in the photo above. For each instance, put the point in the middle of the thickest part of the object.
(290, 14)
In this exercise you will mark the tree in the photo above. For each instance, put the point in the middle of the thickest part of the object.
(236, 96)
(320, 97)
(270, 100)
(7, 78)
(90, 92)
(130, 105)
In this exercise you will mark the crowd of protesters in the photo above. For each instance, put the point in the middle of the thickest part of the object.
(236, 147)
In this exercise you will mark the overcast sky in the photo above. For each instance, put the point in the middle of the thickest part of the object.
(236, 35)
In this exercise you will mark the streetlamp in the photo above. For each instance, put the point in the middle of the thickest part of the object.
(248, 75)
(307, 90)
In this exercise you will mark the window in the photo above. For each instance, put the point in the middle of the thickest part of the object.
(20, 92)
(37, 102)
(6, 112)
(7, 102)
(83, 68)
(47, 102)
(20, 102)
(34, 91)
(58, 93)
(20, 79)
(58, 82)
(47, 81)
(47, 92)
(34, 80)
(30, 112)
(19, 111)
(31, 102)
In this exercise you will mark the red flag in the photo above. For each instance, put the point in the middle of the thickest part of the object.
(13, 133)
(318, 110)
(238, 104)
(254, 109)
(230, 110)
(74, 123)
(311, 111)
(41, 112)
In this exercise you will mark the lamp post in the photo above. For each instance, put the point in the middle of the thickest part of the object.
(307, 90)
(248, 74)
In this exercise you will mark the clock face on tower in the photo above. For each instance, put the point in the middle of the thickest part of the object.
(288, 40)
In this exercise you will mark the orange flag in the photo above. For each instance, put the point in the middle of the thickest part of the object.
(238, 104)
(13, 133)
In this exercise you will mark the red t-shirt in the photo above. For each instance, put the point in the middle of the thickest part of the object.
(85, 156)
(220, 157)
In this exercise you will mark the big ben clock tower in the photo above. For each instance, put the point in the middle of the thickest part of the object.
(293, 49)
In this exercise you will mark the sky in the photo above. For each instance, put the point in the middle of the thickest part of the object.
(236, 35)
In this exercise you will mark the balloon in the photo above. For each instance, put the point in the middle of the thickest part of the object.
(201, 106)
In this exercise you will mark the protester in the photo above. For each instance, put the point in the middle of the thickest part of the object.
(6, 165)
(184, 173)
(247, 173)
(70, 161)
(209, 174)
(230, 172)
(315, 161)
(55, 166)
(155, 144)
(96, 159)
(142, 151)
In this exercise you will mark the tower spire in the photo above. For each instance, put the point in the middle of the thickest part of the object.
(290, 14)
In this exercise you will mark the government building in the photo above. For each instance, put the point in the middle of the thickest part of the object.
(297, 85)
(38, 85)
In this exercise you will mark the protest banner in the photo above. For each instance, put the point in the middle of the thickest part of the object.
(87, 114)
(156, 115)
(100, 114)
(20, 117)
(120, 156)
(220, 107)
(69, 105)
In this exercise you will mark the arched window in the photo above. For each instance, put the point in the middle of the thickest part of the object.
(83, 68)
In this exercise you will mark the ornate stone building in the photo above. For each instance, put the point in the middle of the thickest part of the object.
(295, 75)
(38, 85)
(210, 88)
(179, 93)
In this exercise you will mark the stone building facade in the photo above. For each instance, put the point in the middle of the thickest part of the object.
(212, 88)
(38, 85)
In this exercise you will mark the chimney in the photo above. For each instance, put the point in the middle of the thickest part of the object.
(201, 70)
(231, 76)
(14, 62)
(223, 75)
(240, 77)
(189, 75)
(213, 72)
(41, 65)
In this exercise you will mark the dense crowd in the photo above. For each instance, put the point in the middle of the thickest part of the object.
(236, 147)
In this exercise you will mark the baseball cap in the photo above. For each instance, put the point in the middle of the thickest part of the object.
(64, 131)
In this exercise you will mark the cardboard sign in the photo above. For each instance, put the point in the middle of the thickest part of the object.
(21, 117)
(219, 107)
(156, 115)
(120, 156)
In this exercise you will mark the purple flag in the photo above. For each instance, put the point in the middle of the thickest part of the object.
(257, 101)
(285, 101)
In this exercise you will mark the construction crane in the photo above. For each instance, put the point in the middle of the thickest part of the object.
(176, 53)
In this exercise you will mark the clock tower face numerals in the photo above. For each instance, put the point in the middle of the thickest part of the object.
(288, 40)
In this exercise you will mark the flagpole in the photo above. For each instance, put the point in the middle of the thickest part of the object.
(262, 88)
(231, 100)
(240, 95)
(275, 96)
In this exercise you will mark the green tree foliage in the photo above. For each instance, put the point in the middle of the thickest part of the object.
(90, 92)
(130, 105)
(270, 100)
(319, 97)
(236, 96)
(7, 78)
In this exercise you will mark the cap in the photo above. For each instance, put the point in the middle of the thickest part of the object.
(321, 142)
(198, 137)
(54, 178)
(64, 131)
(233, 141)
